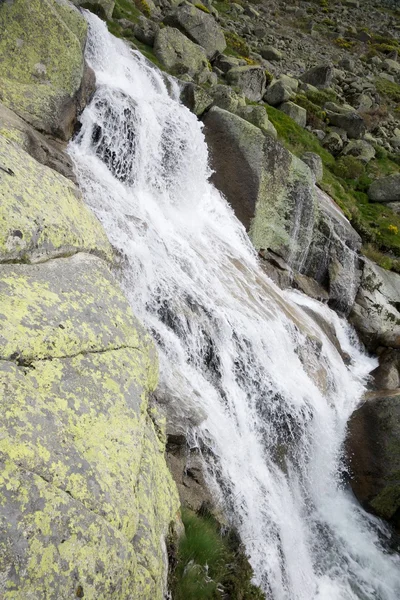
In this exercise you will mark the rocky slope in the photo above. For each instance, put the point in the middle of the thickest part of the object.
(86, 498)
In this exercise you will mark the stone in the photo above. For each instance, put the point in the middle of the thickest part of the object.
(178, 54)
(257, 115)
(387, 374)
(78, 449)
(277, 93)
(375, 314)
(103, 8)
(271, 53)
(145, 31)
(373, 449)
(295, 112)
(250, 80)
(43, 78)
(42, 214)
(361, 149)
(385, 189)
(320, 76)
(392, 66)
(200, 27)
(225, 97)
(225, 63)
(289, 82)
(333, 143)
(314, 161)
(195, 98)
(347, 64)
(349, 120)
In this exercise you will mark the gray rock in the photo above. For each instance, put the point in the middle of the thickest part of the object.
(257, 115)
(225, 97)
(374, 454)
(360, 149)
(200, 27)
(320, 76)
(277, 93)
(195, 98)
(387, 374)
(178, 54)
(347, 64)
(104, 8)
(385, 189)
(352, 123)
(333, 143)
(392, 66)
(145, 31)
(295, 112)
(289, 82)
(314, 161)
(224, 63)
(375, 313)
(250, 80)
(271, 53)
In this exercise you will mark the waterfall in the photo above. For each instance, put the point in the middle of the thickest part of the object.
(274, 389)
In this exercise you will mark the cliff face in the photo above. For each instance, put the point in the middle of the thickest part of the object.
(86, 498)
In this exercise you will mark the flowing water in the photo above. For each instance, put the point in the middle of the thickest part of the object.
(274, 389)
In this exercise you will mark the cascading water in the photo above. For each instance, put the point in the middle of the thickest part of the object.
(274, 389)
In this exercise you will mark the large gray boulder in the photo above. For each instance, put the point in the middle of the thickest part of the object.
(349, 120)
(178, 54)
(373, 447)
(250, 80)
(361, 149)
(200, 27)
(386, 189)
(277, 93)
(257, 115)
(195, 98)
(295, 112)
(375, 313)
(314, 161)
(319, 76)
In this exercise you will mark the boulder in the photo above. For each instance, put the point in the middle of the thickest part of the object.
(320, 76)
(42, 214)
(314, 161)
(200, 27)
(225, 97)
(178, 54)
(277, 93)
(224, 63)
(250, 80)
(103, 8)
(289, 82)
(271, 53)
(348, 120)
(295, 112)
(392, 66)
(257, 115)
(43, 78)
(360, 149)
(373, 448)
(385, 189)
(375, 313)
(387, 374)
(195, 98)
(145, 31)
(333, 143)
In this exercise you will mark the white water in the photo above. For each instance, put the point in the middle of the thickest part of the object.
(230, 341)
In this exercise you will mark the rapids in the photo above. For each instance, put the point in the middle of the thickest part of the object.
(274, 389)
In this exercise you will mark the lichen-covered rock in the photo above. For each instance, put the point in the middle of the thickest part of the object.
(41, 213)
(385, 189)
(361, 149)
(103, 8)
(83, 473)
(349, 120)
(195, 98)
(42, 65)
(319, 76)
(295, 112)
(314, 161)
(277, 93)
(178, 54)
(200, 27)
(250, 80)
(257, 115)
(373, 446)
(225, 97)
(375, 313)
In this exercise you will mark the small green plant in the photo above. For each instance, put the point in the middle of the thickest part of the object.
(344, 44)
(269, 77)
(389, 89)
(393, 229)
(236, 43)
(348, 167)
(202, 7)
(144, 7)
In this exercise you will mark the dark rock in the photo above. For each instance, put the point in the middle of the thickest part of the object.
(320, 76)
(250, 80)
(195, 98)
(277, 93)
(145, 31)
(386, 189)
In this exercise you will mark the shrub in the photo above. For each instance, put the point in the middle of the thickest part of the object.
(348, 167)
(345, 44)
(236, 43)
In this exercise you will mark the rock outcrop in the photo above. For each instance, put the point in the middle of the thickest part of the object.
(178, 54)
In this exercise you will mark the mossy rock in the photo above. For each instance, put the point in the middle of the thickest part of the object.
(102, 8)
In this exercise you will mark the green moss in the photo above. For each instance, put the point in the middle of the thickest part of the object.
(211, 564)
(202, 7)
(236, 43)
(126, 9)
(388, 89)
(348, 167)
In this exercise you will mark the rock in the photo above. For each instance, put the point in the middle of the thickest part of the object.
(257, 115)
(314, 161)
(392, 66)
(333, 143)
(295, 112)
(225, 63)
(271, 53)
(289, 82)
(41, 213)
(178, 54)
(349, 120)
(43, 78)
(385, 189)
(200, 27)
(250, 80)
(145, 31)
(320, 76)
(78, 449)
(375, 313)
(387, 375)
(47, 151)
(225, 97)
(103, 8)
(360, 149)
(373, 448)
(347, 64)
(277, 93)
(195, 98)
